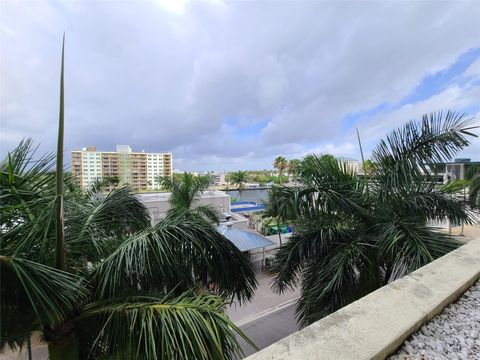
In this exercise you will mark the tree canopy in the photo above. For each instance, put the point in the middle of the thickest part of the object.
(351, 239)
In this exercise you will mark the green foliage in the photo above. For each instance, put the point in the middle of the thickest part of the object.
(348, 240)
(472, 171)
(454, 186)
(293, 166)
(238, 178)
(201, 330)
(111, 285)
(45, 295)
(186, 190)
(59, 223)
(370, 168)
(280, 164)
(474, 192)
(114, 256)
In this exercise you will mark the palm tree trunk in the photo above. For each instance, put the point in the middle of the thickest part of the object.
(279, 233)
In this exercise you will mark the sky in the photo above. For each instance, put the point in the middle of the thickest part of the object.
(232, 85)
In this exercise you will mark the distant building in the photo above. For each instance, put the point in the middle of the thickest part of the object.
(158, 205)
(139, 170)
(352, 165)
(457, 170)
(219, 178)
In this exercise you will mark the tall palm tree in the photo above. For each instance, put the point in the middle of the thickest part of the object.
(280, 206)
(350, 239)
(185, 192)
(239, 178)
(280, 164)
(293, 166)
(88, 271)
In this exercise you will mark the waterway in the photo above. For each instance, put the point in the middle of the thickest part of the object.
(256, 195)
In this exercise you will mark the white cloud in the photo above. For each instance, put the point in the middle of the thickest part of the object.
(454, 97)
(166, 76)
(473, 70)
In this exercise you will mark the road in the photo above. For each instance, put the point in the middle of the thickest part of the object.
(269, 327)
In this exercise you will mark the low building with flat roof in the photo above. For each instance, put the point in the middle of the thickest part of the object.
(158, 203)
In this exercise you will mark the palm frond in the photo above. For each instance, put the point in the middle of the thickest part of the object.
(422, 201)
(312, 241)
(186, 327)
(169, 254)
(413, 150)
(27, 203)
(454, 186)
(144, 261)
(474, 191)
(98, 219)
(331, 282)
(411, 244)
(208, 212)
(186, 189)
(330, 188)
(49, 295)
(282, 203)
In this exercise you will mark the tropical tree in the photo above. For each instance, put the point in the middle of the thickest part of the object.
(185, 192)
(293, 166)
(239, 178)
(280, 207)
(280, 164)
(472, 171)
(352, 238)
(89, 271)
(471, 182)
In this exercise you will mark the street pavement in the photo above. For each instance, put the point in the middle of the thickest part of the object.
(269, 328)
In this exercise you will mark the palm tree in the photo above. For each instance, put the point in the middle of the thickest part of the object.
(293, 166)
(280, 164)
(88, 271)
(350, 239)
(239, 178)
(185, 192)
(280, 207)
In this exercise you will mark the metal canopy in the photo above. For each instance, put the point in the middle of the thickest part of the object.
(244, 240)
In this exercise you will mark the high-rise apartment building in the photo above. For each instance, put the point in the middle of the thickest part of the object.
(140, 170)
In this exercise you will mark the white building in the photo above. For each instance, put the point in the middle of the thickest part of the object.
(352, 165)
(219, 178)
(140, 170)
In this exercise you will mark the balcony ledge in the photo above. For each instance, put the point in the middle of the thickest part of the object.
(376, 325)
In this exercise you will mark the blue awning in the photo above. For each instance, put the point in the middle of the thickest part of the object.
(244, 240)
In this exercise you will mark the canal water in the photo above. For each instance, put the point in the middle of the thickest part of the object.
(256, 195)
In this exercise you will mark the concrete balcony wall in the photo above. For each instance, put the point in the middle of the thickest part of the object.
(376, 325)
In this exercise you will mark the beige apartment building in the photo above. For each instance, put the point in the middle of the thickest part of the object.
(140, 170)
